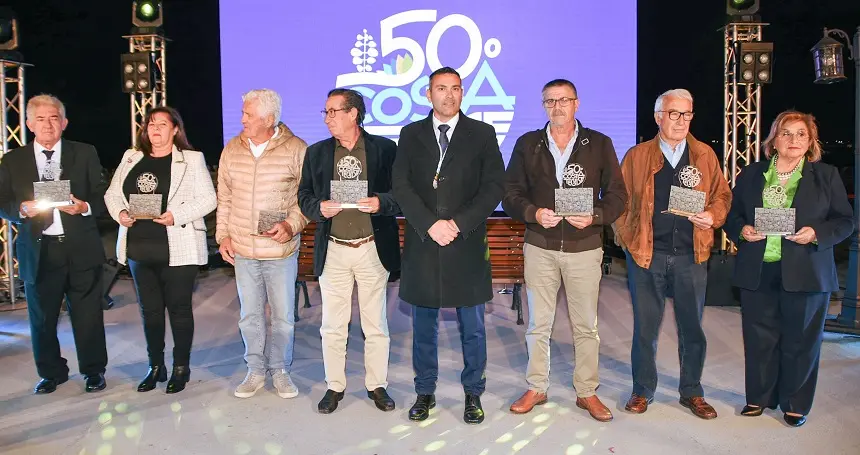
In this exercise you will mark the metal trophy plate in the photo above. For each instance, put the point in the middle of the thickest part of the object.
(51, 194)
(347, 191)
(574, 201)
(775, 221)
(685, 202)
(267, 220)
(144, 206)
(571, 199)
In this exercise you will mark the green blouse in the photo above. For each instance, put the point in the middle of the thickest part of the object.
(773, 249)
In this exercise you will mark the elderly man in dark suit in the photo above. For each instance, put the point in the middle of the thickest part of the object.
(60, 252)
(448, 178)
(358, 246)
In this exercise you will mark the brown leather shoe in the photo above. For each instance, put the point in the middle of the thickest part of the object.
(595, 407)
(637, 404)
(528, 401)
(700, 407)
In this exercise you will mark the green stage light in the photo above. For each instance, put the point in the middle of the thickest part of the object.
(146, 13)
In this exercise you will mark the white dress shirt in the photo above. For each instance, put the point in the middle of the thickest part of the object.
(560, 156)
(452, 123)
(258, 150)
(56, 228)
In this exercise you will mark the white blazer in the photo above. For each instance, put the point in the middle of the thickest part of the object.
(191, 197)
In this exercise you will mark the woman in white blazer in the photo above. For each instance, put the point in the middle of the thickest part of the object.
(165, 252)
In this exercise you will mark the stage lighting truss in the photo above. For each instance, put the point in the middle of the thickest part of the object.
(12, 135)
(145, 67)
(747, 65)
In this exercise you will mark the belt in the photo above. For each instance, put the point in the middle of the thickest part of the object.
(351, 243)
(54, 238)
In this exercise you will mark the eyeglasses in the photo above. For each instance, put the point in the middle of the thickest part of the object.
(789, 136)
(563, 102)
(675, 115)
(332, 112)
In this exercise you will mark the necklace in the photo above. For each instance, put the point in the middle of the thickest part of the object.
(783, 176)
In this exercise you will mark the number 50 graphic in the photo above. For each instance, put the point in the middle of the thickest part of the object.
(390, 43)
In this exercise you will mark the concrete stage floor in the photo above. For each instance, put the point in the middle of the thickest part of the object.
(207, 419)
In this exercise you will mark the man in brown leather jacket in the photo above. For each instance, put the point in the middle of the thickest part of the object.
(559, 248)
(667, 254)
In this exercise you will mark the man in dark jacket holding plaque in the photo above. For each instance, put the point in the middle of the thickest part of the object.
(448, 178)
(563, 245)
(353, 244)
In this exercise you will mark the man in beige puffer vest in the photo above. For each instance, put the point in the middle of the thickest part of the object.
(259, 172)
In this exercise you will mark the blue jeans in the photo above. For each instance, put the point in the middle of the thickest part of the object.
(259, 282)
(682, 278)
(425, 348)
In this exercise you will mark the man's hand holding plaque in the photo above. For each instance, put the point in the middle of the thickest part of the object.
(684, 200)
(572, 199)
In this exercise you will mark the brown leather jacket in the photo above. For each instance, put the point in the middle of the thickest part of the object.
(633, 229)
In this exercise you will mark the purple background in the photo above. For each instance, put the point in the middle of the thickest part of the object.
(300, 50)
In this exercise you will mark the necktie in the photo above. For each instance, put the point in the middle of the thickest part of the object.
(443, 144)
(48, 172)
(443, 137)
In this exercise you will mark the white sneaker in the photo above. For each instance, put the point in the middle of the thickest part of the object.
(284, 384)
(250, 386)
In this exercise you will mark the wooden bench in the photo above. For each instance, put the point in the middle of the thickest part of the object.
(505, 238)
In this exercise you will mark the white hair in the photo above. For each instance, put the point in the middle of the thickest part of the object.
(44, 100)
(676, 93)
(270, 102)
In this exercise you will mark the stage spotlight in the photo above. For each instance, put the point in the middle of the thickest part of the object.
(742, 7)
(8, 30)
(137, 72)
(755, 62)
(146, 16)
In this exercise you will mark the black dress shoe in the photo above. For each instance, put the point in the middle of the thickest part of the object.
(421, 409)
(156, 374)
(381, 399)
(329, 401)
(752, 411)
(474, 413)
(46, 386)
(94, 383)
(180, 376)
(794, 421)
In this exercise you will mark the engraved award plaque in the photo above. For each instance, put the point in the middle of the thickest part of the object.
(52, 193)
(684, 200)
(349, 189)
(145, 205)
(574, 200)
(267, 219)
(778, 221)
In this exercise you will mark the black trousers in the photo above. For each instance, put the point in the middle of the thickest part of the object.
(55, 281)
(161, 287)
(782, 342)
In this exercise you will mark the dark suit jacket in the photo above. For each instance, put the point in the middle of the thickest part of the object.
(80, 164)
(820, 202)
(471, 184)
(315, 187)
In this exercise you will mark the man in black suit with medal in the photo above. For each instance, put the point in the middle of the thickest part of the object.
(448, 178)
(60, 252)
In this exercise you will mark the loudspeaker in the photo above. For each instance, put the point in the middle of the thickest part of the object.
(720, 292)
